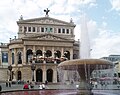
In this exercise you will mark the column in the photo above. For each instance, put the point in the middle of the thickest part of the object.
(34, 49)
(9, 57)
(44, 73)
(24, 55)
(55, 75)
(71, 53)
(35, 75)
(53, 52)
(15, 56)
(62, 51)
(44, 54)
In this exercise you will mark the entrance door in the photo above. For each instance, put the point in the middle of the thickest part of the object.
(49, 75)
(19, 75)
(39, 73)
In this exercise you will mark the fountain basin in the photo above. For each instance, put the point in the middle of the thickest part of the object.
(85, 67)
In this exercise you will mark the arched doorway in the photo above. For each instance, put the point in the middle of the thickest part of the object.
(39, 74)
(49, 75)
(19, 75)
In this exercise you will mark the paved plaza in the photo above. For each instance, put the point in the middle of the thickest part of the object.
(55, 87)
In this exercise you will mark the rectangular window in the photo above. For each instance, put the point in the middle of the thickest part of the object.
(51, 29)
(42, 29)
(67, 31)
(63, 30)
(59, 30)
(29, 29)
(33, 29)
(38, 29)
(4, 57)
(20, 28)
(25, 29)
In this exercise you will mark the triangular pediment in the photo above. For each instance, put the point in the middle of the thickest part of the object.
(47, 36)
(45, 20)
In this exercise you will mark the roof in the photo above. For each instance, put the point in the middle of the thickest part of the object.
(45, 20)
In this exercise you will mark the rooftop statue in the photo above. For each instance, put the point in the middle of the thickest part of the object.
(47, 11)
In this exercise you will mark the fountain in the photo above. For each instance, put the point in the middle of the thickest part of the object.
(85, 67)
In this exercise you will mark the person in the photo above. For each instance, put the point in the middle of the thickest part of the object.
(9, 84)
(72, 82)
(31, 85)
(0, 88)
(40, 86)
(26, 86)
(95, 84)
(77, 86)
(46, 82)
(43, 86)
(6, 83)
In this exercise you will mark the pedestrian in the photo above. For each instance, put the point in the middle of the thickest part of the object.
(6, 83)
(9, 84)
(95, 84)
(0, 88)
(40, 86)
(31, 85)
(26, 86)
(43, 86)
(46, 82)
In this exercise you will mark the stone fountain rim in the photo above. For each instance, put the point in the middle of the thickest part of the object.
(86, 61)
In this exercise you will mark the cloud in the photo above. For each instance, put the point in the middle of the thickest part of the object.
(115, 4)
(106, 43)
(103, 40)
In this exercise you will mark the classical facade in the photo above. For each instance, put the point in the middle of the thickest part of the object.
(42, 43)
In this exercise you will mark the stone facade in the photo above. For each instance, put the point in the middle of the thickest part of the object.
(42, 43)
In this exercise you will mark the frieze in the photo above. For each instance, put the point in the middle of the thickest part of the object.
(49, 37)
(47, 43)
(47, 21)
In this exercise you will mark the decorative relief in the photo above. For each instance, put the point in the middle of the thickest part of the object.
(48, 21)
(50, 37)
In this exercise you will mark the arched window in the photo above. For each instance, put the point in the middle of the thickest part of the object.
(57, 54)
(12, 58)
(29, 55)
(67, 54)
(38, 53)
(19, 58)
(48, 53)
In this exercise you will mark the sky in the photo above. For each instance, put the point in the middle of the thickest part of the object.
(103, 20)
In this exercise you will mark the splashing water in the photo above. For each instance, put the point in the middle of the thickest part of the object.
(84, 40)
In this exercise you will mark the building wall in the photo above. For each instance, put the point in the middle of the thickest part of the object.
(38, 40)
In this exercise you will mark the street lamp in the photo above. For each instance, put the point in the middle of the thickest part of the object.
(10, 69)
(33, 68)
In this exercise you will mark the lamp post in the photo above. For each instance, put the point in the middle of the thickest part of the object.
(10, 69)
(33, 68)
